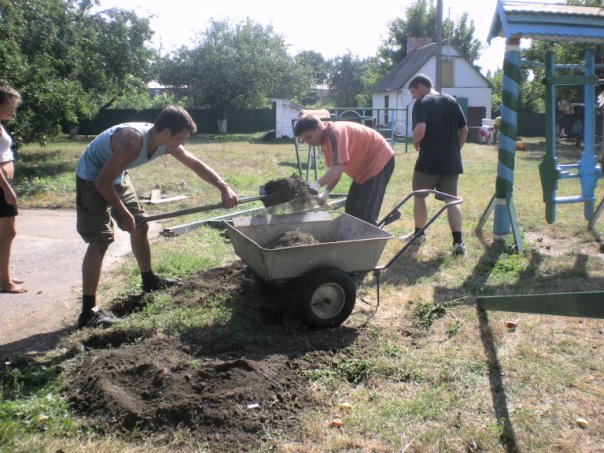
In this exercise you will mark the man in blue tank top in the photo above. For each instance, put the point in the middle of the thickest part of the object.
(103, 191)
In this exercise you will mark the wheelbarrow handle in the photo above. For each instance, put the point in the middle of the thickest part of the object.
(202, 208)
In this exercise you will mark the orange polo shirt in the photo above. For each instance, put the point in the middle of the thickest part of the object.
(362, 150)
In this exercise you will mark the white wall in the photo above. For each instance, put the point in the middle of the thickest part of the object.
(286, 111)
(468, 84)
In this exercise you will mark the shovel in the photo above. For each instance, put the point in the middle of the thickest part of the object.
(272, 193)
(202, 208)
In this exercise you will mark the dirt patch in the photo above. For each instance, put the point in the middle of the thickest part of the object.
(224, 384)
(558, 246)
(292, 239)
(284, 190)
(157, 386)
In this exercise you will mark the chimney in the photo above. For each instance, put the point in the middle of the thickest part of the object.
(414, 43)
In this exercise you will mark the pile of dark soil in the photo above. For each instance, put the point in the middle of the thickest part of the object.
(228, 390)
(291, 239)
(285, 190)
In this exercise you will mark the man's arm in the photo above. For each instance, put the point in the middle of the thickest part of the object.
(332, 177)
(463, 136)
(126, 145)
(205, 172)
(418, 134)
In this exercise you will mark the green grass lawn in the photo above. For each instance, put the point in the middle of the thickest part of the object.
(428, 372)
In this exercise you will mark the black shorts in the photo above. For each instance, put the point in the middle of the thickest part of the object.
(7, 210)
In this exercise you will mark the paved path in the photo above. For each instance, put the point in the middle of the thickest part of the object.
(47, 255)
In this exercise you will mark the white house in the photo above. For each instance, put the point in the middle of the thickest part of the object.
(459, 78)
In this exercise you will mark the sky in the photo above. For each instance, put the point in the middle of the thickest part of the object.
(330, 27)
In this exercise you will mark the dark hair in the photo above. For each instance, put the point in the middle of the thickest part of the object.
(176, 119)
(7, 92)
(306, 123)
(420, 79)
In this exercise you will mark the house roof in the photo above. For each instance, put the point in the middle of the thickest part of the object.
(547, 22)
(405, 69)
(401, 74)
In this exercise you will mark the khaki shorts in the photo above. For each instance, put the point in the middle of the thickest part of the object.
(94, 222)
(442, 183)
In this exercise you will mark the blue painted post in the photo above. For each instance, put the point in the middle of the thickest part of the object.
(589, 171)
(504, 184)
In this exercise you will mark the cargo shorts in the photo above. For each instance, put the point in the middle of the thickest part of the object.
(442, 183)
(94, 215)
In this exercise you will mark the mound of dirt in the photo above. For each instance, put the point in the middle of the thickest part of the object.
(224, 386)
(157, 386)
(291, 239)
(285, 190)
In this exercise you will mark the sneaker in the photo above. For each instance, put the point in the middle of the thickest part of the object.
(96, 318)
(421, 239)
(161, 283)
(458, 249)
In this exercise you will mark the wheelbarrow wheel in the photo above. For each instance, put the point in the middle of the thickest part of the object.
(325, 297)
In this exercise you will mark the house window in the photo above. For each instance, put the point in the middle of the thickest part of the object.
(448, 68)
(386, 105)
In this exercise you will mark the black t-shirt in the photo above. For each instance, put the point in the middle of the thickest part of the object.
(439, 152)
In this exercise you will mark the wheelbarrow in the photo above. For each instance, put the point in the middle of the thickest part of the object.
(322, 275)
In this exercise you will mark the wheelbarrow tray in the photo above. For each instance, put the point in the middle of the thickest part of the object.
(345, 242)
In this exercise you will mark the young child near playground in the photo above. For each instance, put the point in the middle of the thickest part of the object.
(103, 190)
(360, 152)
(9, 101)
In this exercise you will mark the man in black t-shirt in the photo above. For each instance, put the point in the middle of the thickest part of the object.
(439, 132)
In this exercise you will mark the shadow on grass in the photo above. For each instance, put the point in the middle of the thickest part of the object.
(43, 164)
(259, 323)
(478, 279)
(564, 152)
(475, 285)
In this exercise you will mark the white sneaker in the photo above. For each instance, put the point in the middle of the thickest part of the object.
(458, 249)
(416, 242)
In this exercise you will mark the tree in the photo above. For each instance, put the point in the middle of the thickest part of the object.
(564, 52)
(345, 81)
(67, 62)
(233, 67)
(420, 21)
(317, 69)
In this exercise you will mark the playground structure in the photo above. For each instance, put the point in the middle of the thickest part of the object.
(550, 22)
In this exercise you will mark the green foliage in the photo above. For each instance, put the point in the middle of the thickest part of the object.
(420, 21)
(67, 62)
(318, 70)
(234, 66)
(345, 82)
(564, 52)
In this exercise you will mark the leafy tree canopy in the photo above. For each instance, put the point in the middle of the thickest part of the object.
(419, 20)
(68, 62)
(235, 66)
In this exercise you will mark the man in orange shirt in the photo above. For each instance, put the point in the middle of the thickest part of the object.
(356, 150)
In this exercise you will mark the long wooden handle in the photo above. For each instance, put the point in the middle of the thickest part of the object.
(202, 208)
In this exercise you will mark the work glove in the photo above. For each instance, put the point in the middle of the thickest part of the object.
(322, 199)
(314, 187)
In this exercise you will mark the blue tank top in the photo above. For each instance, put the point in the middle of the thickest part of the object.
(98, 151)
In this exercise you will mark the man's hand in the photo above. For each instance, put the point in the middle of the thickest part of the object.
(127, 221)
(314, 187)
(322, 199)
(229, 197)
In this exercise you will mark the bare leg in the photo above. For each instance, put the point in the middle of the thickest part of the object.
(7, 234)
(454, 217)
(91, 267)
(420, 211)
(139, 241)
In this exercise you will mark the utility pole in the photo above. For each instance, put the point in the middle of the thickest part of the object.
(439, 44)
